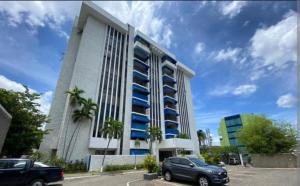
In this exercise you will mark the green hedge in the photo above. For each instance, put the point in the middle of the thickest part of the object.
(110, 168)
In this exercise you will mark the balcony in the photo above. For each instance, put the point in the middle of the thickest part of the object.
(143, 145)
(139, 126)
(140, 88)
(168, 89)
(140, 96)
(139, 134)
(142, 63)
(168, 58)
(141, 76)
(168, 79)
(171, 111)
(141, 50)
(169, 136)
(139, 151)
(170, 123)
(168, 64)
(139, 117)
(176, 143)
(139, 102)
(168, 99)
(172, 131)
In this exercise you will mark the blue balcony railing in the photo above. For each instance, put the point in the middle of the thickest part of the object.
(172, 131)
(140, 76)
(171, 123)
(168, 79)
(139, 151)
(139, 118)
(141, 89)
(141, 63)
(141, 96)
(171, 111)
(139, 126)
(168, 89)
(138, 134)
(170, 99)
(140, 103)
(169, 136)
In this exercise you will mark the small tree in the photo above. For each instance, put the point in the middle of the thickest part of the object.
(264, 136)
(154, 134)
(75, 101)
(112, 129)
(25, 132)
(150, 163)
(87, 111)
(201, 137)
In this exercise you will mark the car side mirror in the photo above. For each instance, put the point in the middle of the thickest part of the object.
(191, 165)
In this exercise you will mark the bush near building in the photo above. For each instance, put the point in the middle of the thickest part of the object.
(264, 136)
(214, 155)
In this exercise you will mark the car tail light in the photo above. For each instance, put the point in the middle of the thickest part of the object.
(62, 173)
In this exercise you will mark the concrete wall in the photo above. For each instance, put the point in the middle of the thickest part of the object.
(96, 160)
(5, 119)
(275, 161)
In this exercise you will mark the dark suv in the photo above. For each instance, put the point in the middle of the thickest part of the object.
(193, 169)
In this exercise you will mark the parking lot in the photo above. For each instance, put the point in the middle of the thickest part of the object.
(239, 176)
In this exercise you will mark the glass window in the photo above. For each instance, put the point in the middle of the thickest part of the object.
(198, 162)
(174, 160)
(184, 161)
(12, 164)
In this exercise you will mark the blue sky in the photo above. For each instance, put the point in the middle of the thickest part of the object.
(243, 53)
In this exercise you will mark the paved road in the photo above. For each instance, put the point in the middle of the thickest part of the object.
(239, 177)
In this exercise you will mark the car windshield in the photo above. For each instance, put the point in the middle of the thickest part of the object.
(198, 162)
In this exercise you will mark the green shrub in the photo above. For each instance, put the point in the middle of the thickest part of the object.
(110, 168)
(73, 166)
(150, 163)
(37, 156)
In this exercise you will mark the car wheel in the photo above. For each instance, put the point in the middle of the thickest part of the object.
(37, 182)
(168, 176)
(203, 181)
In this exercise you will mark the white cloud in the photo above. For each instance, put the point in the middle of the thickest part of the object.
(199, 48)
(44, 101)
(244, 90)
(286, 101)
(231, 9)
(39, 14)
(276, 45)
(143, 15)
(241, 90)
(229, 54)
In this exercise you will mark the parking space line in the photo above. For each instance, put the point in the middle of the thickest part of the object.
(128, 183)
(168, 183)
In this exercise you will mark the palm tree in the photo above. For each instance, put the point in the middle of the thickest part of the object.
(201, 137)
(154, 134)
(75, 101)
(112, 129)
(87, 111)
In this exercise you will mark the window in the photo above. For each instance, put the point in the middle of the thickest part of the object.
(12, 164)
(184, 162)
(175, 160)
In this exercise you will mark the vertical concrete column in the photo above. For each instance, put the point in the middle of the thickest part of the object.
(86, 77)
(190, 110)
(128, 98)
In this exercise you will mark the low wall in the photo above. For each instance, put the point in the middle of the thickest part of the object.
(274, 161)
(96, 160)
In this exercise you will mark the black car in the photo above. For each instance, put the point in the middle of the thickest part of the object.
(193, 169)
(25, 172)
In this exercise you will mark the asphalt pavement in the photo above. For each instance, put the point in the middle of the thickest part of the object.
(239, 176)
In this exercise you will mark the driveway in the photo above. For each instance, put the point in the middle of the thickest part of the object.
(239, 176)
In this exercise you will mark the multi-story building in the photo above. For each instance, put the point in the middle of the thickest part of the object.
(228, 128)
(132, 79)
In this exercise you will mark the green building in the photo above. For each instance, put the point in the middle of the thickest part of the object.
(228, 129)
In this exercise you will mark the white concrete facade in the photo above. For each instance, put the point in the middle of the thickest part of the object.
(132, 79)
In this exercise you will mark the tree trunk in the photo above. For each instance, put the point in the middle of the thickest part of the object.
(101, 169)
(66, 133)
(151, 147)
(68, 148)
(75, 139)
